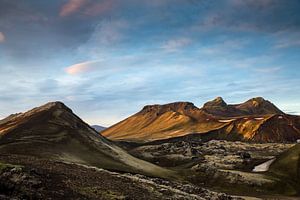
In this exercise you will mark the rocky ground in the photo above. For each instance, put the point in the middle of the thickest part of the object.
(31, 178)
(213, 154)
(222, 165)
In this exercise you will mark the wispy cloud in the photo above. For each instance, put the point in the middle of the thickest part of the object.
(72, 6)
(268, 69)
(287, 43)
(254, 3)
(107, 35)
(175, 44)
(81, 67)
(225, 46)
(86, 7)
(2, 37)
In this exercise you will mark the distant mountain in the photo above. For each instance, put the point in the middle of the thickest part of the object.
(254, 106)
(98, 128)
(53, 131)
(254, 120)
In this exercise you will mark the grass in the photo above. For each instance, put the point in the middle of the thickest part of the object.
(4, 166)
(287, 164)
(287, 168)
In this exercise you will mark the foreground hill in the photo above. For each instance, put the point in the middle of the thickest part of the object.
(54, 132)
(255, 120)
(287, 167)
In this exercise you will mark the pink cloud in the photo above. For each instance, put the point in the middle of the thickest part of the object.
(71, 7)
(80, 68)
(2, 37)
(86, 7)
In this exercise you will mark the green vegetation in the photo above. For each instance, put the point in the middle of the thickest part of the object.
(287, 168)
(6, 166)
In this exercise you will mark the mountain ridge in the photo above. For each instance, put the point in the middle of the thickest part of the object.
(246, 120)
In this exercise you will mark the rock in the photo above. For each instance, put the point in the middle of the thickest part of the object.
(244, 155)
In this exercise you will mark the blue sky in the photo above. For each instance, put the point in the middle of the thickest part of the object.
(106, 59)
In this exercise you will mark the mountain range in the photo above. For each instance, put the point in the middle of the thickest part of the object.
(254, 120)
(166, 151)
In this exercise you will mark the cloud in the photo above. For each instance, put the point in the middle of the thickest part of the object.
(238, 16)
(268, 69)
(72, 6)
(260, 4)
(99, 7)
(86, 7)
(287, 44)
(107, 35)
(109, 32)
(224, 46)
(81, 67)
(2, 37)
(175, 44)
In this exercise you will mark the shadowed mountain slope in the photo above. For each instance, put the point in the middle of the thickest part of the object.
(53, 131)
(255, 120)
(287, 167)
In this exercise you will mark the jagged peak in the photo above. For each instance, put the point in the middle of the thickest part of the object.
(218, 101)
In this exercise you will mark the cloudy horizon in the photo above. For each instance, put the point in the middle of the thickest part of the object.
(106, 59)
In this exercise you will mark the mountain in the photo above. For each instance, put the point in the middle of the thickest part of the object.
(54, 132)
(254, 120)
(98, 128)
(254, 106)
(162, 121)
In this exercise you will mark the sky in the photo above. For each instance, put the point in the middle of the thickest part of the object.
(106, 59)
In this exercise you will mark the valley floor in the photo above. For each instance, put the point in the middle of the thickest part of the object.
(223, 166)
